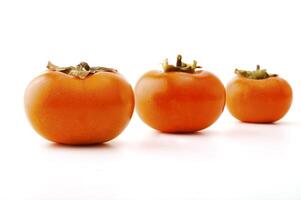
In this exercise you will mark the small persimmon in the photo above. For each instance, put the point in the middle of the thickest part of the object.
(257, 96)
(179, 99)
(79, 105)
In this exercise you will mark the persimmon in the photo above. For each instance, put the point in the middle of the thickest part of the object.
(257, 96)
(79, 105)
(180, 98)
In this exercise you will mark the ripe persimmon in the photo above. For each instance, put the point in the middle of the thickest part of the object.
(257, 96)
(79, 105)
(179, 99)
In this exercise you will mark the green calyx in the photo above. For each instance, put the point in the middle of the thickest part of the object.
(256, 74)
(180, 66)
(81, 71)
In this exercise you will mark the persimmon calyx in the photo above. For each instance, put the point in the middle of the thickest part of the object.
(255, 74)
(82, 70)
(180, 66)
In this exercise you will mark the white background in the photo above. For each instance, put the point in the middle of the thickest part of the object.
(229, 160)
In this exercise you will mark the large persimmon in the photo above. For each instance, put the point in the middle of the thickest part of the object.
(79, 105)
(179, 99)
(258, 97)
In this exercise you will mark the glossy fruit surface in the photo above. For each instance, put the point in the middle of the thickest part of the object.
(177, 100)
(258, 97)
(71, 110)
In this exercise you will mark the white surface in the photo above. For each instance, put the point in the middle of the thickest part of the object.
(229, 160)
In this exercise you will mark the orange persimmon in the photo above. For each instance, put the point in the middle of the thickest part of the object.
(257, 96)
(79, 105)
(180, 99)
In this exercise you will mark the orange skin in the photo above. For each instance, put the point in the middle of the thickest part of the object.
(179, 101)
(258, 101)
(69, 110)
